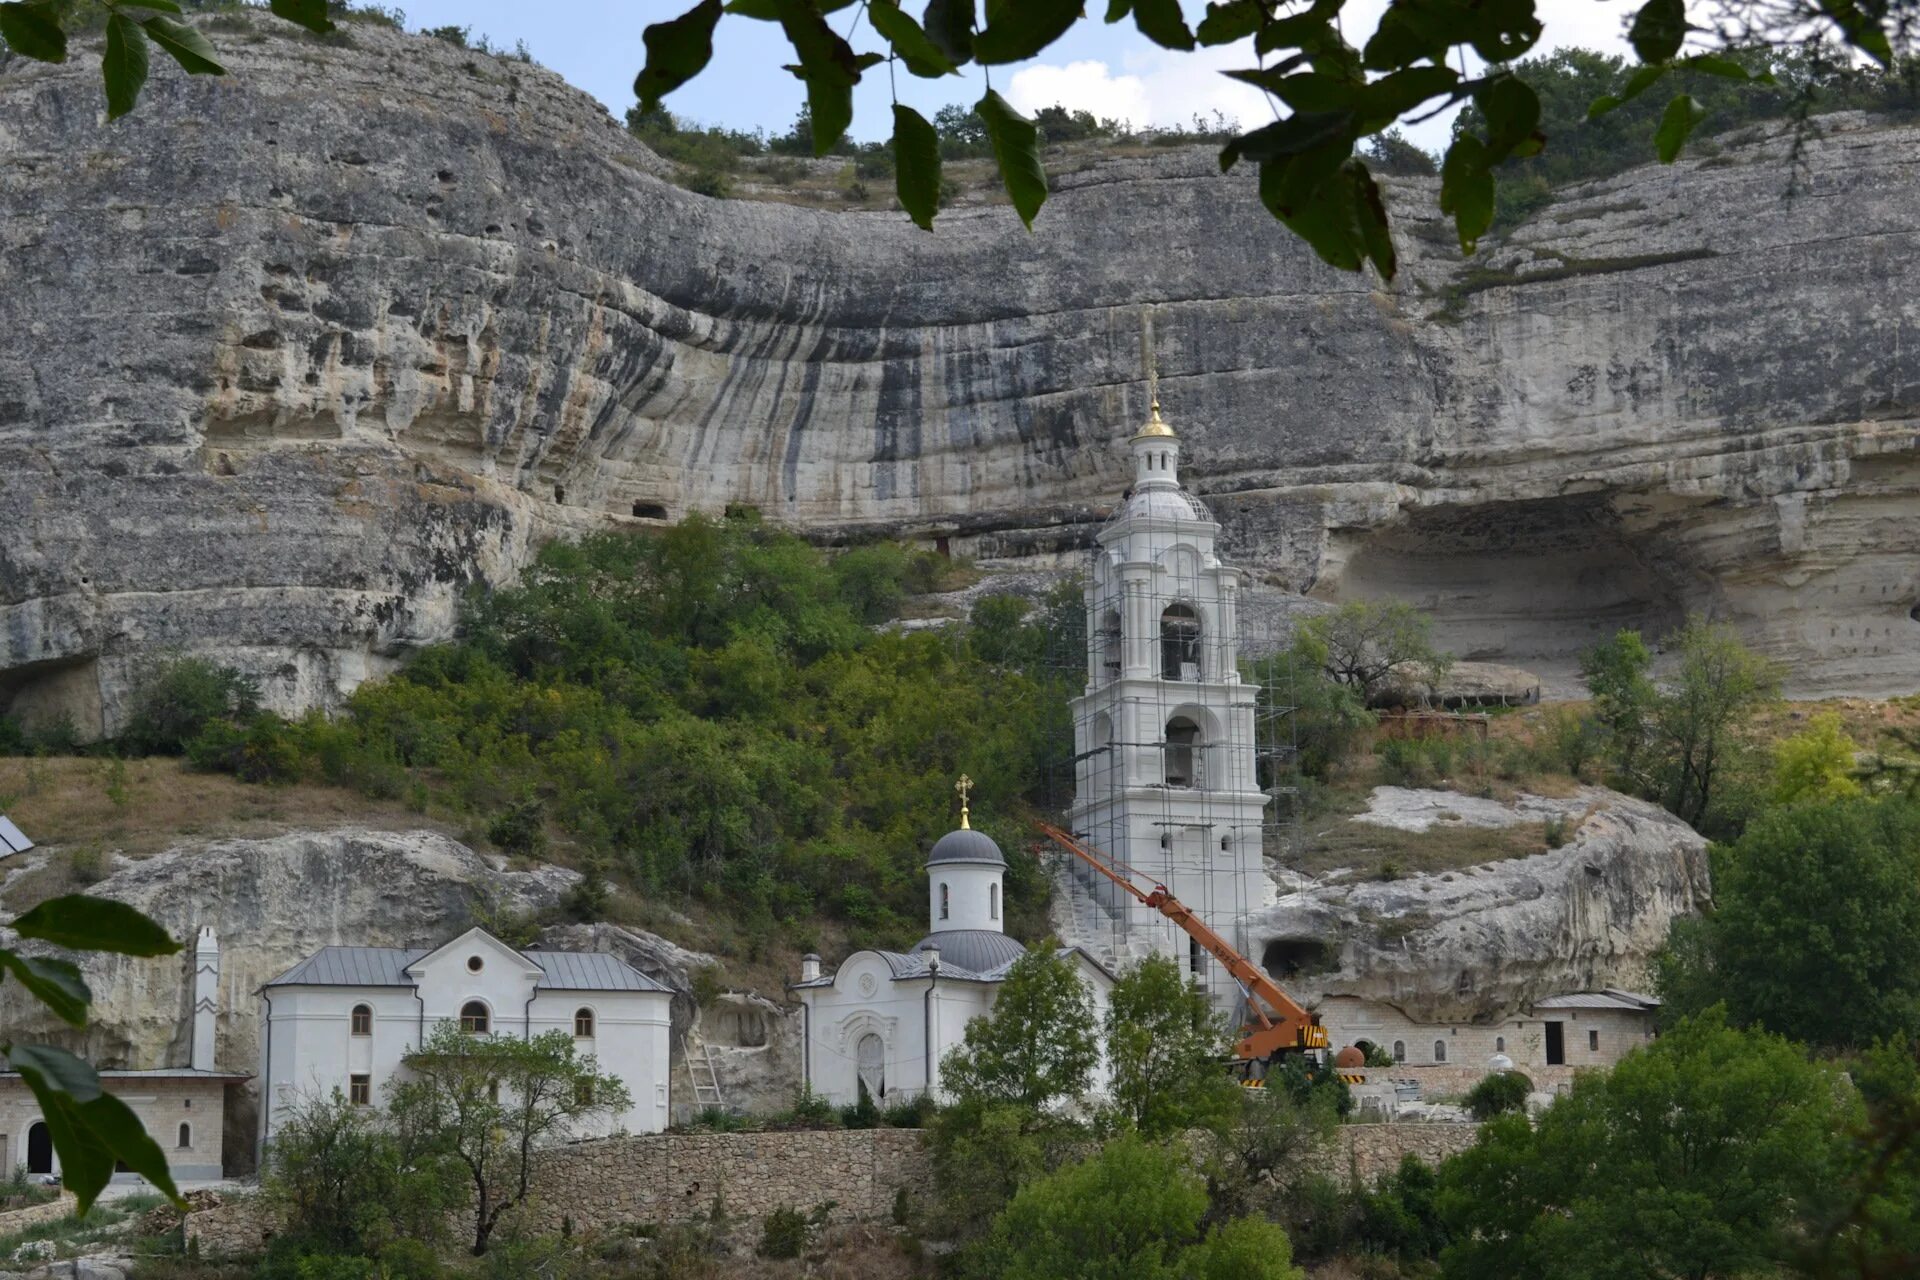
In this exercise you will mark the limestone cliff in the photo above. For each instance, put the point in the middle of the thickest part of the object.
(299, 354)
(1489, 939)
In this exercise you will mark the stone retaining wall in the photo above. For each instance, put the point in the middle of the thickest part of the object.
(676, 1177)
(240, 1227)
(1371, 1151)
(14, 1221)
(1454, 1082)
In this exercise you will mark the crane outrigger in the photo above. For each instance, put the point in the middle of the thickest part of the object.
(1277, 1025)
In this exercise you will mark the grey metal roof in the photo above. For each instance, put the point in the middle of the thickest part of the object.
(1611, 998)
(974, 950)
(387, 967)
(589, 971)
(966, 845)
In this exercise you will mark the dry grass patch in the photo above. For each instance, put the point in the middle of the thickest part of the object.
(1388, 853)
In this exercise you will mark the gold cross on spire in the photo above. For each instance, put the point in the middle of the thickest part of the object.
(963, 787)
(1156, 425)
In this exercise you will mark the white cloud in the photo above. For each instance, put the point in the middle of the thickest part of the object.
(1080, 86)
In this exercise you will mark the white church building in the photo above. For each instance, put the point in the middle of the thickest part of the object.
(345, 1017)
(885, 1019)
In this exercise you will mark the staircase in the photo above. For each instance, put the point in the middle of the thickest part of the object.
(1081, 919)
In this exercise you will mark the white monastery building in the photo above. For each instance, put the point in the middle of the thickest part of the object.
(883, 1021)
(182, 1108)
(344, 1017)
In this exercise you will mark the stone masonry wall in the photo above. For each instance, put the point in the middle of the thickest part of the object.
(1371, 1151)
(240, 1227)
(13, 1222)
(675, 1177)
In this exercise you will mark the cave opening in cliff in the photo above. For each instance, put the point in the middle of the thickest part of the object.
(651, 511)
(1529, 582)
(1293, 957)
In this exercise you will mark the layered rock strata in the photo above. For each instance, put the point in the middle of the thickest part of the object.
(301, 354)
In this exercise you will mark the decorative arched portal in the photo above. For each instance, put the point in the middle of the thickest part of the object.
(871, 1061)
(39, 1148)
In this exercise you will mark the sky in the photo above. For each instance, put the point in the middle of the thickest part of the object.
(1112, 71)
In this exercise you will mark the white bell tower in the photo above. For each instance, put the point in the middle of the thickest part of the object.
(1164, 734)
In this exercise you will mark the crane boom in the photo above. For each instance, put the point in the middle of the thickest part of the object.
(1279, 1024)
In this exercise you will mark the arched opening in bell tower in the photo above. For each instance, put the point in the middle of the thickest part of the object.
(1180, 643)
(1182, 752)
(1108, 640)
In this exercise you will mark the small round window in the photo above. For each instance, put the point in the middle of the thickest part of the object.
(475, 964)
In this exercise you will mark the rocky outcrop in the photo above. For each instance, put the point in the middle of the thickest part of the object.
(1492, 938)
(301, 353)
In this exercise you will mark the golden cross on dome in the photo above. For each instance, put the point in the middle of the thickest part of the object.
(963, 787)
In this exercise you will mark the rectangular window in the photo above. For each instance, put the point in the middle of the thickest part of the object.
(360, 1090)
(1593, 1041)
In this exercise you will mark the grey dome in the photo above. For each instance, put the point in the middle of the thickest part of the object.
(966, 845)
(1165, 504)
(975, 950)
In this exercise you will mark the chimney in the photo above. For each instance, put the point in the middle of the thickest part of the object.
(206, 997)
(809, 967)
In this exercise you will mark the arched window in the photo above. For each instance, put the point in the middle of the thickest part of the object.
(946, 903)
(1439, 1050)
(583, 1024)
(1180, 643)
(1183, 735)
(362, 1020)
(1499, 1044)
(1399, 1050)
(1109, 642)
(186, 1136)
(993, 902)
(474, 1019)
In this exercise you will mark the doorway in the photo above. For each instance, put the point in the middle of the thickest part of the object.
(39, 1148)
(1556, 1044)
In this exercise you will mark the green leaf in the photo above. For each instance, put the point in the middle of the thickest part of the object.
(57, 1069)
(189, 48)
(1726, 68)
(1385, 100)
(677, 51)
(84, 923)
(949, 25)
(56, 984)
(1466, 189)
(1642, 80)
(1512, 110)
(91, 1129)
(769, 10)
(164, 6)
(1658, 29)
(1297, 134)
(1676, 123)
(827, 66)
(916, 164)
(1118, 9)
(1018, 31)
(124, 65)
(1016, 149)
(1861, 30)
(1502, 30)
(311, 14)
(1162, 22)
(1344, 219)
(921, 55)
(33, 31)
(1226, 23)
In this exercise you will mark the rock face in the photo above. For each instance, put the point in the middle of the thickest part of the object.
(273, 902)
(1492, 938)
(299, 354)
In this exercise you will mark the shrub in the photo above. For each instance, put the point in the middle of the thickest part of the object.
(178, 699)
(264, 749)
(521, 829)
(787, 1231)
(1497, 1094)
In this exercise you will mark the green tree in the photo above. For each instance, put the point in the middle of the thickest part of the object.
(1165, 1046)
(1706, 1154)
(1330, 719)
(1618, 673)
(1371, 645)
(1815, 764)
(1815, 928)
(1132, 1212)
(1037, 1047)
(345, 1182)
(176, 701)
(489, 1102)
(1701, 723)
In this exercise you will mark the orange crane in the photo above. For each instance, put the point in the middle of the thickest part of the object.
(1278, 1024)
